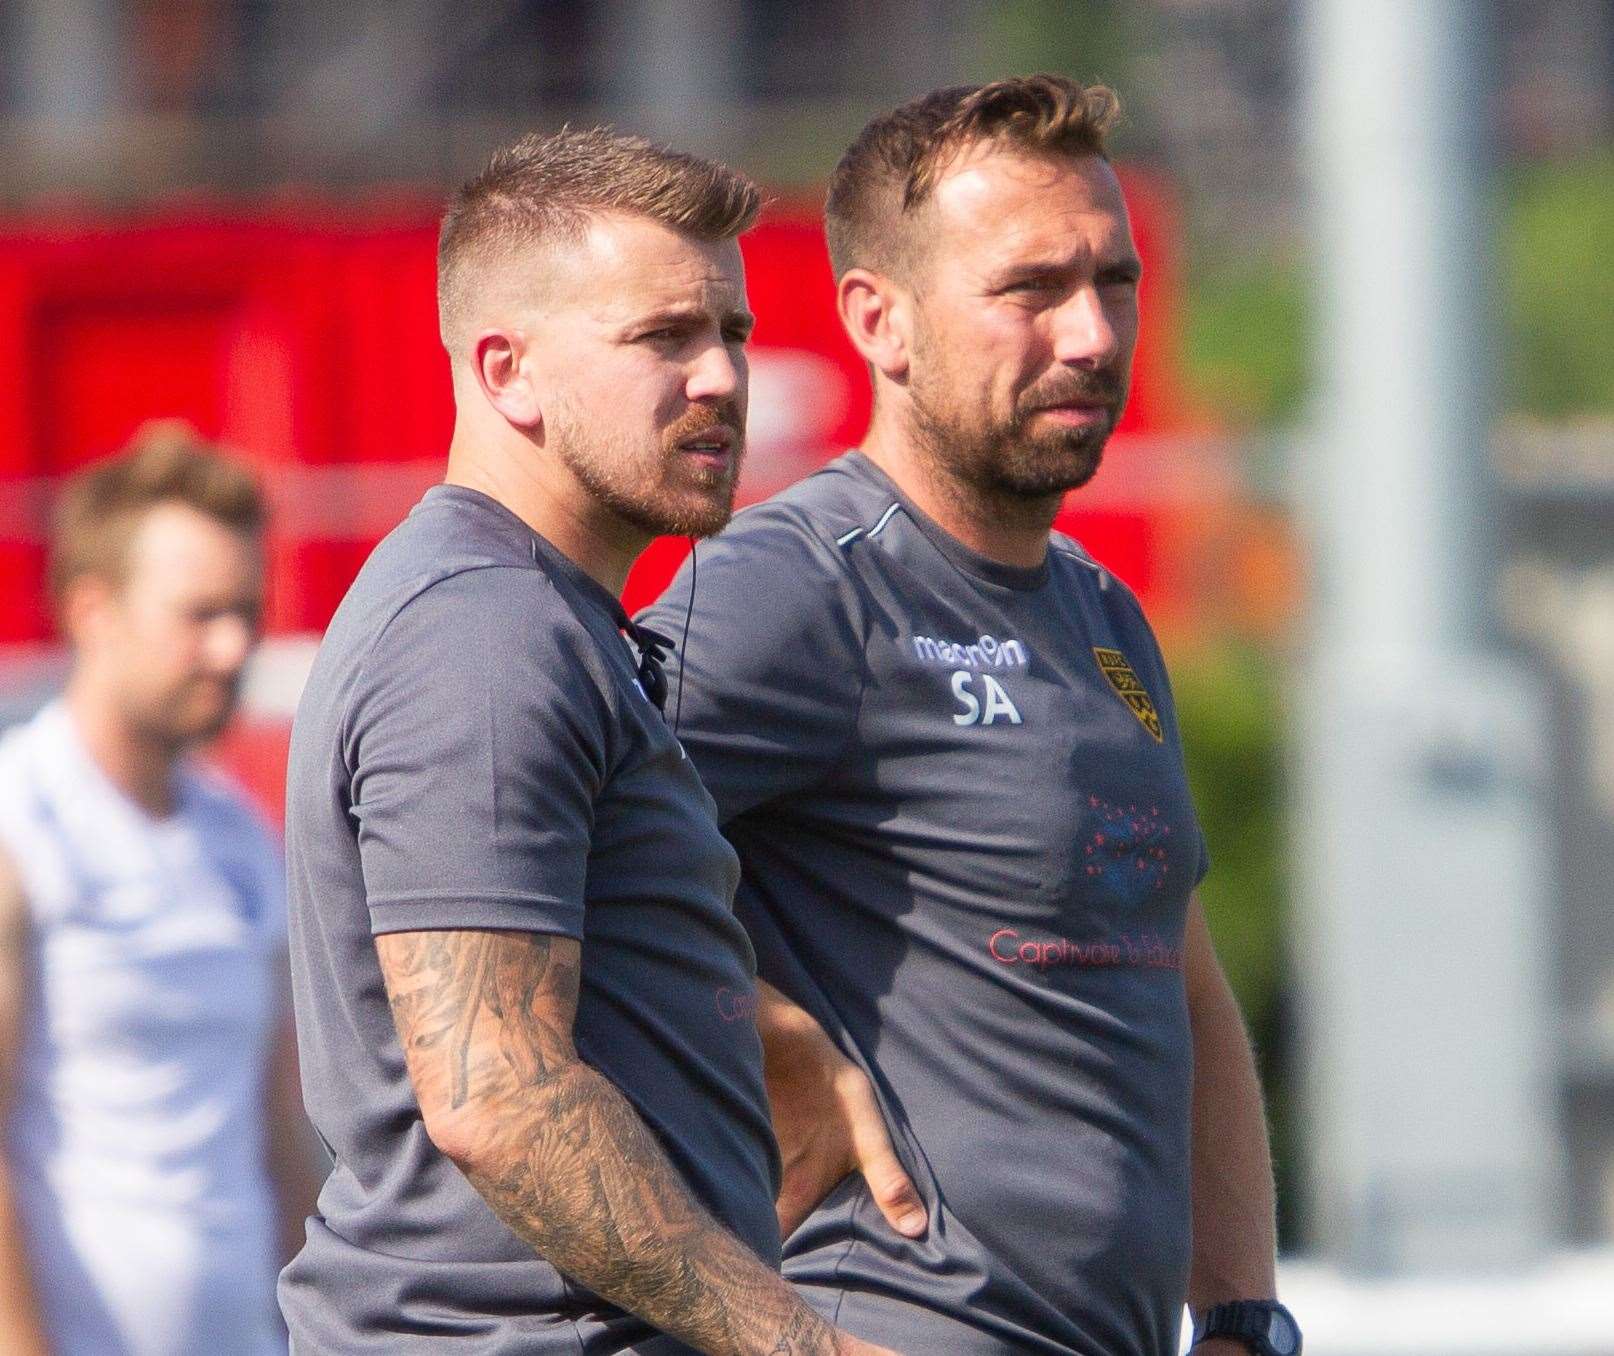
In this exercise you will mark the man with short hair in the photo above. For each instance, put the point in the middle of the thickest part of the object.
(156, 1162)
(942, 741)
(525, 1005)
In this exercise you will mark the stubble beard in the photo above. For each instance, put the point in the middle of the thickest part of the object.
(666, 493)
(186, 716)
(1006, 460)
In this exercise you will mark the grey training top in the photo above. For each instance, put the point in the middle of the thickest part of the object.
(473, 751)
(968, 847)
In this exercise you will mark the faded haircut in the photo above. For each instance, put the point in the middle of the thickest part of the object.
(167, 462)
(545, 188)
(893, 167)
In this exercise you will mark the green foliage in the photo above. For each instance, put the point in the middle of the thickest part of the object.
(1557, 248)
(1245, 340)
(1247, 334)
(1227, 703)
(1090, 42)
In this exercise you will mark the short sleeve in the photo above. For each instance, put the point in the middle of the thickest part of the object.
(476, 748)
(765, 683)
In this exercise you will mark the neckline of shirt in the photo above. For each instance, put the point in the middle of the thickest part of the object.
(984, 569)
(66, 742)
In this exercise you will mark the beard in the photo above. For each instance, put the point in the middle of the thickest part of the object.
(189, 713)
(1007, 458)
(663, 491)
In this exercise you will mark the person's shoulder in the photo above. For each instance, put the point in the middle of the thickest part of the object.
(452, 531)
(496, 607)
(454, 527)
(19, 749)
(455, 566)
(838, 503)
(27, 841)
(800, 538)
(13, 743)
(15, 779)
(778, 573)
(223, 805)
(450, 616)
(501, 636)
(1078, 568)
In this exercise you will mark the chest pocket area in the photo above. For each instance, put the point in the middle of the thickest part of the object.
(1129, 851)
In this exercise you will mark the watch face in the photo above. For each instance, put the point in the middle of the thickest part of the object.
(1282, 1335)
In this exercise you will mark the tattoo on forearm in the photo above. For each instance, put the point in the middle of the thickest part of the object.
(559, 1154)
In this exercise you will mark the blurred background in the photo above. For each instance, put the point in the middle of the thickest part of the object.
(1365, 485)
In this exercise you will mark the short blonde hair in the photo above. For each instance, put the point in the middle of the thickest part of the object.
(894, 165)
(546, 186)
(167, 462)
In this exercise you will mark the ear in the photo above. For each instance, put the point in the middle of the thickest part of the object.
(86, 609)
(877, 315)
(501, 361)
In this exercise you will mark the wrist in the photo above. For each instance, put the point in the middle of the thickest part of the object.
(1263, 1327)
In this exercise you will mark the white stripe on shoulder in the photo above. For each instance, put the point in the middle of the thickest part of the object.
(848, 538)
(1077, 552)
(884, 519)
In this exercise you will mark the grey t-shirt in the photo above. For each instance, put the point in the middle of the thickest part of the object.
(967, 848)
(473, 751)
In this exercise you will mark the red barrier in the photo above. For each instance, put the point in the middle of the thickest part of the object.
(306, 337)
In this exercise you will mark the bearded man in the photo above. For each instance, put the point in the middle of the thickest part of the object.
(941, 738)
(524, 1003)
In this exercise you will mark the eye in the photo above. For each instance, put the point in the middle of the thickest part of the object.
(1033, 285)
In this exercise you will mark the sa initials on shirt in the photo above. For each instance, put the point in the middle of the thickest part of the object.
(993, 705)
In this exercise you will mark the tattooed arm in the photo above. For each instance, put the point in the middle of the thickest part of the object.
(485, 1019)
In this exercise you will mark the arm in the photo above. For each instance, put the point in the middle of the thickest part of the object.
(827, 1121)
(22, 1332)
(1235, 1235)
(485, 1020)
(295, 1161)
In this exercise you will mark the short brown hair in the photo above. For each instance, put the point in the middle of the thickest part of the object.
(166, 462)
(897, 160)
(547, 185)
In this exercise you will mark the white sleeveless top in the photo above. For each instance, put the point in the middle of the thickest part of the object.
(136, 1136)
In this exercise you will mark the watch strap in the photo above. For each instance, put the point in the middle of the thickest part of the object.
(1250, 1322)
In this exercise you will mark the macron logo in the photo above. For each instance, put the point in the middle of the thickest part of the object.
(985, 653)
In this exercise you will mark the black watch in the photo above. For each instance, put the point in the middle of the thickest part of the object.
(1264, 1326)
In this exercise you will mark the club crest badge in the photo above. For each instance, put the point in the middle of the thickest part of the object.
(1129, 688)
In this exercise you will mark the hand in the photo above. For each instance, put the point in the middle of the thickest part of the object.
(827, 1122)
(1219, 1346)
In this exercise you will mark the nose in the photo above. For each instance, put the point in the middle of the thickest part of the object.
(230, 639)
(718, 374)
(1085, 334)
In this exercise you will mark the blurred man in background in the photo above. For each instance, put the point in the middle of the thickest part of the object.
(541, 1145)
(942, 740)
(147, 1072)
